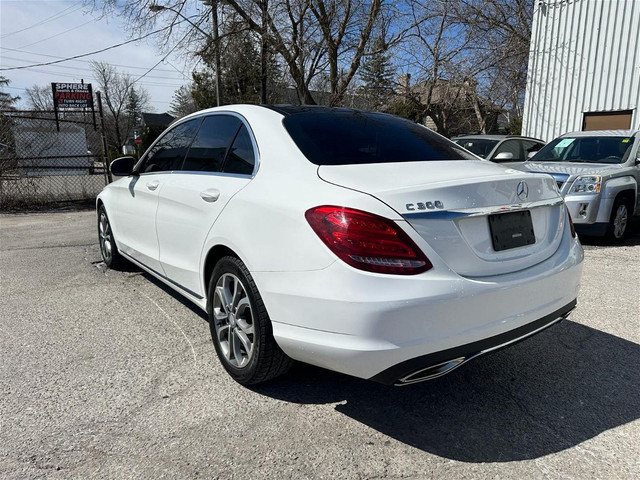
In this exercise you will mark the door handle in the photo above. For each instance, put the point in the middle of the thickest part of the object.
(153, 185)
(210, 195)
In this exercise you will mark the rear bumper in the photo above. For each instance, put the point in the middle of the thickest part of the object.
(440, 363)
(383, 327)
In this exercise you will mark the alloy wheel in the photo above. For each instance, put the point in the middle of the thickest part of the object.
(106, 238)
(620, 221)
(233, 317)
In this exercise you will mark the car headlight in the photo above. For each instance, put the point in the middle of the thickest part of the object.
(586, 184)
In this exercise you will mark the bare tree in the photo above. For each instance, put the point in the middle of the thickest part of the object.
(435, 52)
(503, 30)
(458, 51)
(311, 37)
(124, 102)
(468, 59)
(39, 97)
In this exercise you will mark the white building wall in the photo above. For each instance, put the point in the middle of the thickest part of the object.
(584, 57)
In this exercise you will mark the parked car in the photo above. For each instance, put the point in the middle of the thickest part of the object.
(598, 172)
(355, 241)
(500, 148)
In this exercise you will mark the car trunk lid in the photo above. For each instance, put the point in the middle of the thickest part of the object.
(469, 212)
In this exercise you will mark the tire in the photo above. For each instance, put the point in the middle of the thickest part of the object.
(110, 254)
(619, 221)
(240, 326)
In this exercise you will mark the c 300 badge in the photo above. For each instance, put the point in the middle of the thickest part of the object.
(425, 206)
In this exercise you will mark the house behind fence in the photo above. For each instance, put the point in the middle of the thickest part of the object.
(43, 161)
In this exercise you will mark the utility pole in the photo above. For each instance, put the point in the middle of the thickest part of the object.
(216, 46)
(263, 53)
(214, 37)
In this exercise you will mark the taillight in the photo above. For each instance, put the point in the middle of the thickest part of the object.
(571, 225)
(367, 241)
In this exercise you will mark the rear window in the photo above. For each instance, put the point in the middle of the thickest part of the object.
(351, 137)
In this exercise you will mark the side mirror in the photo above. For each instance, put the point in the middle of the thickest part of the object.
(531, 155)
(503, 156)
(123, 166)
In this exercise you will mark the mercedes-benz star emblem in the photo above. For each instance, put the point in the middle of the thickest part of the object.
(522, 190)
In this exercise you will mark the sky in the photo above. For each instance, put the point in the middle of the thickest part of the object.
(38, 31)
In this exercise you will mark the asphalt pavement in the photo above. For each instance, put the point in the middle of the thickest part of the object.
(109, 374)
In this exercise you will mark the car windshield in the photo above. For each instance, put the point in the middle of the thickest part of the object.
(480, 146)
(350, 137)
(586, 150)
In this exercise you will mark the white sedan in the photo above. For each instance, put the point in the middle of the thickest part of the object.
(355, 241)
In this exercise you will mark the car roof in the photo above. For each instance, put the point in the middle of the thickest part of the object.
(495, 137)
(602, 133)
(284, 110)
(295, 109)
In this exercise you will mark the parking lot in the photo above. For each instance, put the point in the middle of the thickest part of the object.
(108, 374)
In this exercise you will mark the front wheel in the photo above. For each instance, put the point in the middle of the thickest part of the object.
(240, 326)
(619, 222)
(108, 248)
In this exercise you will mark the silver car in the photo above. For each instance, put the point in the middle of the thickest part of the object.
(500, 148)
(598, 173)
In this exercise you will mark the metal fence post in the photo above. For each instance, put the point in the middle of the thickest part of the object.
(105, 149)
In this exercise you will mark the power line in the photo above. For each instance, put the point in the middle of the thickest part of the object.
(75, 69)
(86, 54)
(167, 55)
(85, 61)
(58, 34)
(148, 83)
(55, 16)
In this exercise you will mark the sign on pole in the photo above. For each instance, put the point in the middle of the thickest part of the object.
(72, 96)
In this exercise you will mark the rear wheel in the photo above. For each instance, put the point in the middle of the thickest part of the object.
(108, 248)
(240, 326)
(619, 222)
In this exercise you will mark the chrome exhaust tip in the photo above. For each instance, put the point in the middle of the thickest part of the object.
(429, 373)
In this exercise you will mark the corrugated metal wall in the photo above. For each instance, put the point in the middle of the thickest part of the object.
(585, 57)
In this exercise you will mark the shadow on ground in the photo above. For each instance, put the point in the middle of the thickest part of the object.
(630, 240)
(548, 394)
(169, 291)
(552, 392)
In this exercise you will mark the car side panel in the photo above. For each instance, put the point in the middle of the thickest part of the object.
(132, 205)
(611, 189)
(189, 205)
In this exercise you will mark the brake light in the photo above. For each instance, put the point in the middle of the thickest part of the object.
(571, 225)
(367, 241)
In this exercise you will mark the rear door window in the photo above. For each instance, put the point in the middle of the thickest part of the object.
(211, 144)
(241, 158)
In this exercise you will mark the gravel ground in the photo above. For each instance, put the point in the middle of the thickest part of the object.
(108, 374)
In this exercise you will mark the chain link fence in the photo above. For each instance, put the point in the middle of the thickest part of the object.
(44, 161)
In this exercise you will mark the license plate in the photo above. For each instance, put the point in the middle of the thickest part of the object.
(511, 230)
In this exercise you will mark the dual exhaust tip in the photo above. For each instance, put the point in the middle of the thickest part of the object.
(429, 373)
(440, 369)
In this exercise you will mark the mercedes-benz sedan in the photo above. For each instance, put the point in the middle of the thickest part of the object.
(355, 241)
